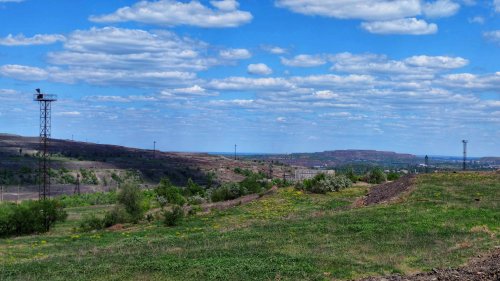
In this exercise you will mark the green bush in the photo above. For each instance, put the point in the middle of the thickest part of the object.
(168, 193)
(227, 191)
(91, 222)
(130, 197)
(392, 176)
(172, 218)
(88, 177)
(322, 183)
(117, 215)
(253, 184)
(376, 176)
(30, 217)
(193, 189)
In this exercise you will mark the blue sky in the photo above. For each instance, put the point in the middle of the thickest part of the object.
(275, 76)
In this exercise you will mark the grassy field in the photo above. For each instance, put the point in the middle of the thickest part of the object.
(286, 236)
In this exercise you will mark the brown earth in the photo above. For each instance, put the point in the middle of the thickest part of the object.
(483, 268)
(388, 191)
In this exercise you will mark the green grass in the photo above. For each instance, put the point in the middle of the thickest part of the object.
(286, 236)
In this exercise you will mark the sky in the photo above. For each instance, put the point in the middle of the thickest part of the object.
(274, 76)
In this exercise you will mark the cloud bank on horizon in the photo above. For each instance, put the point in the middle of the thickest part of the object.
(273, 76)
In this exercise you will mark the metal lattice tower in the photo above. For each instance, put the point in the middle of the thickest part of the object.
(465, 154)
(77, 185)
(45, 101)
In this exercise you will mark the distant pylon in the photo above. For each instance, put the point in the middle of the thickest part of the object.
(465, 154)
(426, 164)
(45, 102)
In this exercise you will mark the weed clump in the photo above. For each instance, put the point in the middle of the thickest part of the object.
(30, 217)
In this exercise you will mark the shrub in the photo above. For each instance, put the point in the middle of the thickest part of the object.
(376, 175)
(30, 217)
(227, 191)
(253, 184)
(172, 217)
(131, 198)
(196, 200)
(193, 189)
(392, 176)
(91, 222)
(322, 183)
(166, 192)
(117, 215)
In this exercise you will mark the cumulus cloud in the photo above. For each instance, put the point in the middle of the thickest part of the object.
(274, 50)
(496, 3)
(440, 8)
(259, 69)
(369, 10)
(21, 72)
(477, 19)
(411, 26)
(304, 61)
(172, 13)
(235, 54)
(493, 36)
(38, 39)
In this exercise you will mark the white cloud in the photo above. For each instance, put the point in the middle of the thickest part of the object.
(245, 84)
(38, 39)
(493, 36)
(355, 9)
(477, 19)
(274, 50)
(259, 69)
(325, 94)
(441, 62)
(304, 61)
(440, 8)
(235, 54)
(68, 113)
(7, 92)
(281, 119)
(21, 72)
(172, 13)
(411, 26)
(496, 3)
(416, 65)
(11, 1)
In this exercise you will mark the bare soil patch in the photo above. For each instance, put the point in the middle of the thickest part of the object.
(388, 191)
(482, 268)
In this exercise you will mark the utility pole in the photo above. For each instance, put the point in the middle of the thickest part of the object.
(465, 154)
(235, 151)
(154, 149)
(426, 164)
(1, 193)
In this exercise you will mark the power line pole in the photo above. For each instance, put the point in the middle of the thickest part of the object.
(465, 154)
(45, 102)
(426, 164)
(154, 149)
(235, 151)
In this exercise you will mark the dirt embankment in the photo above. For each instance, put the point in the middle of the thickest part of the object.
(485, 268)
(387, 191)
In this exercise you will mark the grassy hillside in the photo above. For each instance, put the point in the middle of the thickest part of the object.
(287, 236)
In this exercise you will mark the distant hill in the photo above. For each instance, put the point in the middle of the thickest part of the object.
(109, 163)
(490, 160)
(342, 157)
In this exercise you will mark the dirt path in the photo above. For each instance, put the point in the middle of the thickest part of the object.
(388, 191)
(484, 268)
